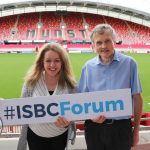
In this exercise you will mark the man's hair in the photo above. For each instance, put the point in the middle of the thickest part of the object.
(100, 29)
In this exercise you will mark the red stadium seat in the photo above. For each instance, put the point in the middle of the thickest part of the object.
(130, 33)
(146, 116)
(80, 126)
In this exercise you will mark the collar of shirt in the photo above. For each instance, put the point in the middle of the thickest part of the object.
(115, 58)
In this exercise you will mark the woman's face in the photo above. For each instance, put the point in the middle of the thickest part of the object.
(52, 63)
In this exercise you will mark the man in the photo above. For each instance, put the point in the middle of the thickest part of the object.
(111, 70)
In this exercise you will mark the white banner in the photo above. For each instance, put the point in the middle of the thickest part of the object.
(80, 106)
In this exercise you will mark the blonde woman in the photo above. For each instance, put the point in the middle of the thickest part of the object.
(50, 74)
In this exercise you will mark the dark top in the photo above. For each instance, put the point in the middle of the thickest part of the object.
(51, 92)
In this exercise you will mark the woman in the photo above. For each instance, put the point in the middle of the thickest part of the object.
(51, 74)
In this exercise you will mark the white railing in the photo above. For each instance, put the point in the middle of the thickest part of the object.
(11, 129)
(17, 128)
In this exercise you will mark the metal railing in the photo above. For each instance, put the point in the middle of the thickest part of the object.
(16, 129)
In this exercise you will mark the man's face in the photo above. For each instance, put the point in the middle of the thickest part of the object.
(104, 45)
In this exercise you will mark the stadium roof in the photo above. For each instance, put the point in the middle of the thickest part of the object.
(132, 10)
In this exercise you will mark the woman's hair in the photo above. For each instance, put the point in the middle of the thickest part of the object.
(100, 29)
(65, 75)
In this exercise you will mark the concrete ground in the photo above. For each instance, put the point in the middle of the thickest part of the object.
(7, 143)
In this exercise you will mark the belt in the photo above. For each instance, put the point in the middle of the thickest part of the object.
(109, 121)
(112, 121)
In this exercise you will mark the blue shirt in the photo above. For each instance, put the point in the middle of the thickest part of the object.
(121, 73)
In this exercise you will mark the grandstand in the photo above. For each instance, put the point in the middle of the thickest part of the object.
(51, 25)
(25, 26)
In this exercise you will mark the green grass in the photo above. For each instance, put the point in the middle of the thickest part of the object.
(13, 68)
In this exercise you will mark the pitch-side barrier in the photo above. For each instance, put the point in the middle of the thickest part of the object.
(15, 130)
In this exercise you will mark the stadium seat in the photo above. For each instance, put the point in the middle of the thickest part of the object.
(146, 116)
(128, 32)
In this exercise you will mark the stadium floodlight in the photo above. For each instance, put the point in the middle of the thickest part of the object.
(39, 25)
(63, 26)
(86, 26)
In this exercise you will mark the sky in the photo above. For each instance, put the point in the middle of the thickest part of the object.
(142, 5)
